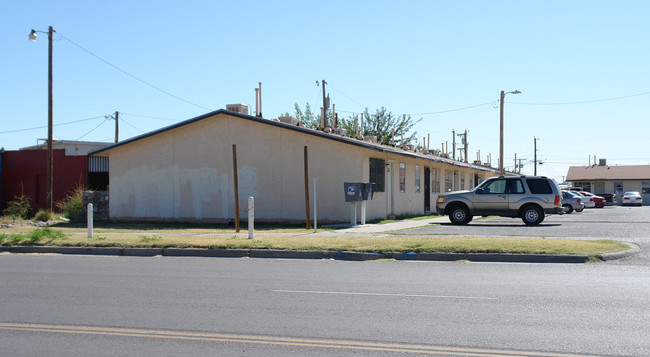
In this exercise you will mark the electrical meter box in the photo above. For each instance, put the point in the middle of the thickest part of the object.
(353, 191)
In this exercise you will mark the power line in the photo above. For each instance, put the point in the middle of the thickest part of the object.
(43, 127)
(586, 101)
(149, 117)
(452, 110)
(131, 125)
(132, 76)
(100, 124)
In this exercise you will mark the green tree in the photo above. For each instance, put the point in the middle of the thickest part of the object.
(307, 117)
(382, 124)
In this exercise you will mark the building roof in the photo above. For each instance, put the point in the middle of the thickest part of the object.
(330, 136)
(72, 148)
(587, 173)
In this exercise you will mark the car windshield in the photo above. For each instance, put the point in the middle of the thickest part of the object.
(631, 193)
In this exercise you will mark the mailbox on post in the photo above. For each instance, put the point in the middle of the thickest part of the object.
(368, 190)
(353, 191)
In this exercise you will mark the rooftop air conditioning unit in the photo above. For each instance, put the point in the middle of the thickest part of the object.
(288, 120)
(238, 108)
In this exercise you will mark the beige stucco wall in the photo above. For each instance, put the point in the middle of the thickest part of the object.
(186, 174)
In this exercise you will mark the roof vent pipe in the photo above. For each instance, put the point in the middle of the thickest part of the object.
(260, 112)
(257, 102)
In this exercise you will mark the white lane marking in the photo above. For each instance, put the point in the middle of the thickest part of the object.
(385, 294)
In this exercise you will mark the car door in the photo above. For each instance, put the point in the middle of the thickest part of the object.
(516, 195)
(491, 198)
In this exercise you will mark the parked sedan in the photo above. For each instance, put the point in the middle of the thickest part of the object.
(632, 198)
(571, 201)
(599, 201)
(586, 200)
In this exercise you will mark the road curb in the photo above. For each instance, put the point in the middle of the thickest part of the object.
(634, 249)
(317, 254)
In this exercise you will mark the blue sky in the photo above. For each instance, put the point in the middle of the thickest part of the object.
(582, 67)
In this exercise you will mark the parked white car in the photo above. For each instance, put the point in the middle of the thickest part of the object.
(586, 200)
(632, 198)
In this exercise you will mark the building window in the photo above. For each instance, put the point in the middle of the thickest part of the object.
(417, 179)
(402, 177)
(645, 186)
(435, 180)
(583, 185)
(462, 180)
(449, 180)
(378, 174)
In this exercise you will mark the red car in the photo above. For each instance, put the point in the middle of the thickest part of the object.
(598, 200)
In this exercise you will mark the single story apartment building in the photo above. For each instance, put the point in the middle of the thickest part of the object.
(604, 179)
(185, 172)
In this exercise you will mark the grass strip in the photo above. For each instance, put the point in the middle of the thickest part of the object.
(47, 236)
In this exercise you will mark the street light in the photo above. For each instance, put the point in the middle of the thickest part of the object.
(50, 165)
(503, 94)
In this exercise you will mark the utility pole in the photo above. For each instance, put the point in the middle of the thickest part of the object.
(515, 170)
(535, 159)
(465, 147)
(453, 145)
(117, 126)
(324, 118)
(50, 124)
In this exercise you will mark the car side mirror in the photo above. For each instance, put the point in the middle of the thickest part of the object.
(480, 191)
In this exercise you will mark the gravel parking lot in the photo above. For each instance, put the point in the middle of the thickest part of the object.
(628, 224)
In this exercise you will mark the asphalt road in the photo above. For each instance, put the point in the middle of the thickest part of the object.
(61, 305)
(628, 224)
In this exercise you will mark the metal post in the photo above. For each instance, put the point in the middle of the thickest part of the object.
(353, 213)
(89, 214)
(306, 169)
(363, 213)
(251, 216)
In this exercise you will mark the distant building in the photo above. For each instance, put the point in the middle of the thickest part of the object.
(601, 179)
(185, 172)
(24, 171)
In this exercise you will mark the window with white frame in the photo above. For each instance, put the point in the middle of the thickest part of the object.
(462, 180)
(449, 180)
(417, 179)
(402, 177)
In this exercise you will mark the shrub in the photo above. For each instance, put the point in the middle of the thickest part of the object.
(20, 207)
(71, 206)
(44, 216)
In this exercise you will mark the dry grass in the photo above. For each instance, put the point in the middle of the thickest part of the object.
(306, 240)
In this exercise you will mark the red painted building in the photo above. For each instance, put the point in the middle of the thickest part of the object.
(25, 171)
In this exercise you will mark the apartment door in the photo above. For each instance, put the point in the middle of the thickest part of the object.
(389, 187)
(427, 190)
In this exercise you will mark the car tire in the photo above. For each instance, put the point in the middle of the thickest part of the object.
(532, 215)
(568, 209)
(459, 215)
